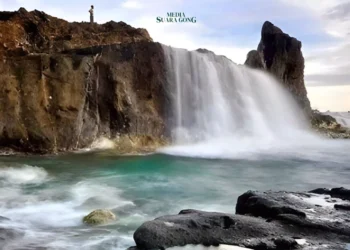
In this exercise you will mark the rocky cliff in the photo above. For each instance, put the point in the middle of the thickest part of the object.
(62, 85)
(281, 55)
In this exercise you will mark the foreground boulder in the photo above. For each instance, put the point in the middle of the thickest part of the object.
(209, 228)
(263, 220)
(99, 217)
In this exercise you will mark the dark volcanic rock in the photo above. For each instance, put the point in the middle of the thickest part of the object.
(206, 228)
(341, 192)
(266, 205)
(296, 208)
(255, 60)
(282, 57)
(264, 220)
(321, 191)
(342, 207)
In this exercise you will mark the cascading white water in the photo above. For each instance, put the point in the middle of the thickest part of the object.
(219, 104)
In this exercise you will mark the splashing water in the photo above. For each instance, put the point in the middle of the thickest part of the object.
(342, 118)
(23, 175)
(221, 109)
(102, 143)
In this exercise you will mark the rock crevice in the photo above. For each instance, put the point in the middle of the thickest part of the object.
(63, 84)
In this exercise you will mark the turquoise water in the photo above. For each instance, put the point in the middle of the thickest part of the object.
(46, 197)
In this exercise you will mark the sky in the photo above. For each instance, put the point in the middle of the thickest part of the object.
(233, 28)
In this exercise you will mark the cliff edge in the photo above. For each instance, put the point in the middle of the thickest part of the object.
(63, 85)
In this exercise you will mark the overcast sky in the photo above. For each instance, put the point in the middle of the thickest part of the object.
(232, 28)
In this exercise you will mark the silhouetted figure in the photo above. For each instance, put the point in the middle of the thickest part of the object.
(91, 14)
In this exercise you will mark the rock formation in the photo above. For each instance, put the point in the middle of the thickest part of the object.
(318, 219)
(99, 217)
(62, 85)
(281, 55)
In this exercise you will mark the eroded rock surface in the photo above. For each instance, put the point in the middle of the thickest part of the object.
(23, 32)
(63, 85)
(281, 55)
(328, 126)
(263, 220)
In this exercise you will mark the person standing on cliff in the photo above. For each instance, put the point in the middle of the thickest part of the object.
(91, 14)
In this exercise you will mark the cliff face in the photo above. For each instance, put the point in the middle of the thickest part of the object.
(23, 32)
(281, 55)
(58, 91)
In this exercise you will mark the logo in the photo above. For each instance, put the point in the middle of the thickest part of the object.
(176, 17)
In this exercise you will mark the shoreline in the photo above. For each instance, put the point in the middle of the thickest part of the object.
(317, 219)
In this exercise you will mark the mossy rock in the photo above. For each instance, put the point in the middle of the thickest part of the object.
(98, 217)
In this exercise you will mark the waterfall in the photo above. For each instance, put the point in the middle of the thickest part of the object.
(217, 103)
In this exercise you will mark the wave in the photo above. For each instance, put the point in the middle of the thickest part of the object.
(23, 175)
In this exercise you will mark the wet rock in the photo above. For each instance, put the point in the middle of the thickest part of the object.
(342, 207)
(317, 118)
(328, 126)
(255, 60)
(321, 191)
(282, 57)
(286, 243)
(266, 205)
(297, 208)
(99, 217)
(206, 228)
(8, 234)
(263, 220)
(341, 193)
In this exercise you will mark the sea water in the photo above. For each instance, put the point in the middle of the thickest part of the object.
(233, 129)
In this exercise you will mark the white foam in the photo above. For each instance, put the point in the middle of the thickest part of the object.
(342, 118)
(200, 247)
(84, 190)
(102, 143)
(54, 207)
(23, 175)
(169, 224)
(223, 110)
(301, 241)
